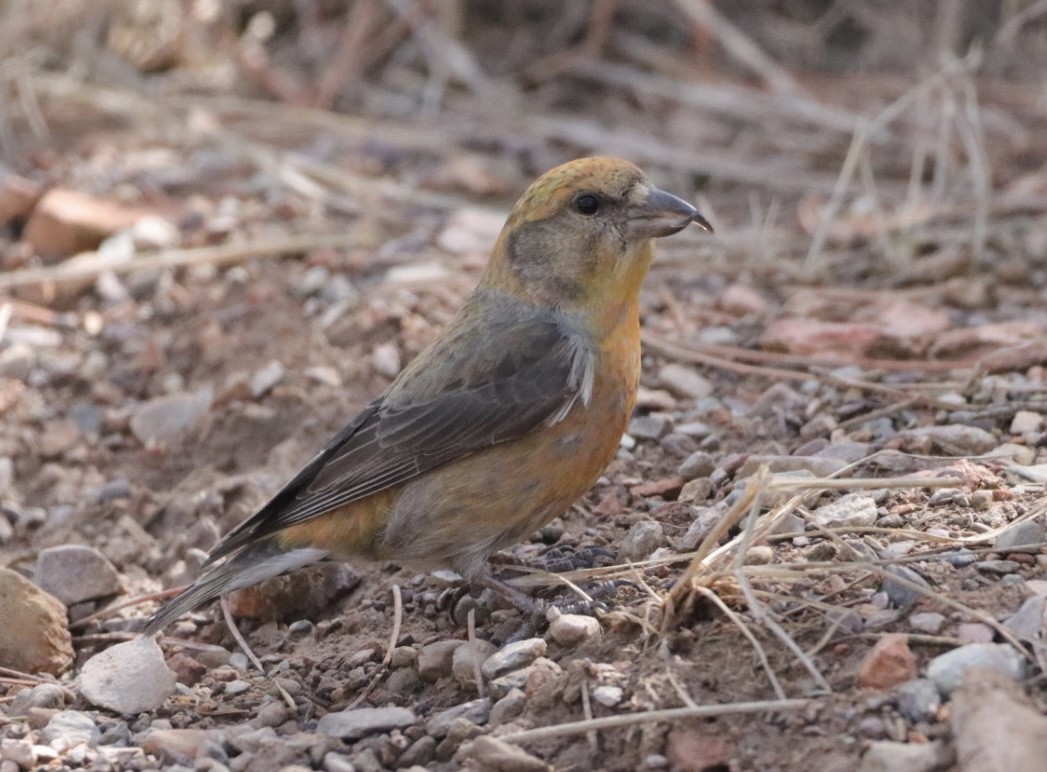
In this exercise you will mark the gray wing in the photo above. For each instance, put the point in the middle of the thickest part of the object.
(452, 401)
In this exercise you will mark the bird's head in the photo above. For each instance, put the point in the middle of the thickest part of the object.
(580, 236)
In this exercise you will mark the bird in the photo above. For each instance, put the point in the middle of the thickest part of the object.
(502, 422)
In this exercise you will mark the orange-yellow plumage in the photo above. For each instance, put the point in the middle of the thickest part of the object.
(504, 420)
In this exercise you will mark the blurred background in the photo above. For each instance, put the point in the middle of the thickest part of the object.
(798, 125)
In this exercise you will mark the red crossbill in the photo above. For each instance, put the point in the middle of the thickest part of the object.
(503, 421)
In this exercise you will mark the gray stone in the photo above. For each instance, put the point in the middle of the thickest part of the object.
(435, 659)
(819, 467)
(997, 566)
(852, 510)
(698, 489)
(966, 439)
(649, 427)
(130, 677)
(164, 418)
(266, 377)
(74, 573)
(1027, 621)
(948, 670)
(928, 622)
(476, 711)
(468, 659)
(570, 629)
(642, 539)
(508, 707)
(418, 754)
(1023, 534)
(684, 381)
(698, 464)
(513, 656)
(46, 695)
(68, 728)
(886, 756)
(902, 595)
(360, 722)
(918, 700)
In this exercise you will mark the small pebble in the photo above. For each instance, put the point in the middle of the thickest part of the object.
(947, 670)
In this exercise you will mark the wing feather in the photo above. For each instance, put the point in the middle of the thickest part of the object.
(525, 374)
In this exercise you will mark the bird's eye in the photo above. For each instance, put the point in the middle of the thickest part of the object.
(587, 204)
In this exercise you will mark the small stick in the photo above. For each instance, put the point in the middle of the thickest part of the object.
(651, 716)
(398, 618)
(227, 614)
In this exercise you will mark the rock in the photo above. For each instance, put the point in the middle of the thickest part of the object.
(948, 670)
(265, 378)
(69, 728)
(852, 510)
(698, 464)
(885, 756)
(929, 622)
(164, 418)
(66, 222)
(476, 711)
(819, 467)
(953, 438)
(74, 573)
(543, 670)
(35, 635)
(684, 381)
(571, 629)
(493, 755)
(999, 567)
(974, 632)
(608, 696)
(360, 722)
(48, 696)
(418, 754)
(507, 708)
(513, 656)
(386, 360)
(130, 677)
(17, 752)
(1023, 534)
(698, 489)
(178, 746)
(403, 656)
(918, 700)
(435, 659)
(1028, 621)
(649, 427)
(1026, 422)
(642, 539)
(901, 595)
(995, 727)
(888, 663)
(468, 658)
(705, 519)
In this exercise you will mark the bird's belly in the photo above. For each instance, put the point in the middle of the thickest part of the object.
(459, 514)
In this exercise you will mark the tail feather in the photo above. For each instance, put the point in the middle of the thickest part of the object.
(252, 564)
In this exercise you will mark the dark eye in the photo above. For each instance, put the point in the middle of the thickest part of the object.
(587, 204)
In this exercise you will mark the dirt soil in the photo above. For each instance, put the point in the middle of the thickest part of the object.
(886, 330)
